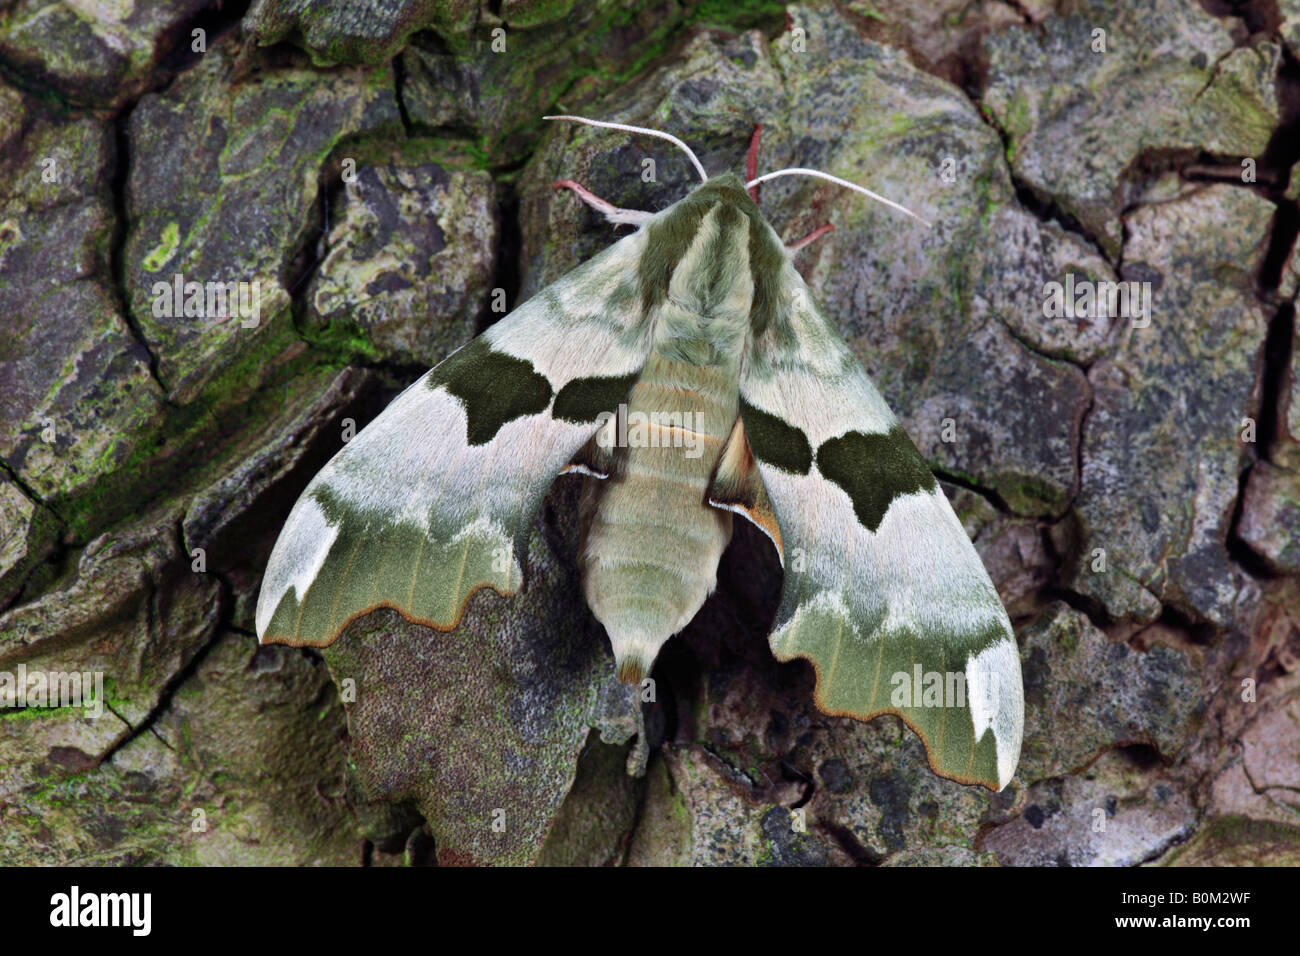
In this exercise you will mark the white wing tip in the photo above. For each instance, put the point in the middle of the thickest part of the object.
(262, 618)
(996, 700)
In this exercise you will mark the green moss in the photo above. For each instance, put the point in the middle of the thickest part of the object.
(343, 339)
(523, 14)
(10, 235)
(1239, 840)
(15, 714)
(739, 15)
(111, 701)
(448, 152)
(1069, 638)
(170, 454)
(1030, 495)
(1240, 829)
(162, 253)
(111, 696)
(945, 471)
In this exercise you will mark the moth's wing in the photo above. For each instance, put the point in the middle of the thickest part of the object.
(434, 498)
(884, 592)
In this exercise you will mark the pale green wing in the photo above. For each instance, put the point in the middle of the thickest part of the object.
(884, 592)
(434, 498)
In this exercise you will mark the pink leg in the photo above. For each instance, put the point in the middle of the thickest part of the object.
(751, 160)
(632, 217)
(811, 237)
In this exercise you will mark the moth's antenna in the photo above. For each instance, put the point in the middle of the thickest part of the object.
(639, 129)
(818, 174)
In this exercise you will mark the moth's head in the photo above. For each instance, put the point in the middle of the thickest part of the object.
(712, 254)
(721, 205)
(728, 188)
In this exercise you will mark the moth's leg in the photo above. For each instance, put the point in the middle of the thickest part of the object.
(751, 161)
(811, 237)
(633, 217)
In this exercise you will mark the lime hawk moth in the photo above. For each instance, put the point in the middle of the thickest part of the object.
(695, 334)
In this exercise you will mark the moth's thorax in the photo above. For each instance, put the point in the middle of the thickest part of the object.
(710, 259)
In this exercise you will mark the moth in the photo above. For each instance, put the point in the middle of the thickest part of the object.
(687, 372)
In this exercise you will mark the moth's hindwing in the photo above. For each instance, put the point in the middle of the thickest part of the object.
(434, 498)
(884, 592)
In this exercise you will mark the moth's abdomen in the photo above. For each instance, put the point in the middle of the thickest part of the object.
(651, 541)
